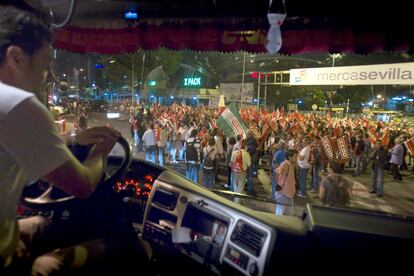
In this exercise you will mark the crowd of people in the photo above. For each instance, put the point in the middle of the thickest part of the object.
(294, 142)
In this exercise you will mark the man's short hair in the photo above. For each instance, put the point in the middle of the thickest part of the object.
(335, 167)
(22, 29)
(291, 152)
(232, 140)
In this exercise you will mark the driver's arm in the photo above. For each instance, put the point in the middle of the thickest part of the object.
(80, 179)
(31, 138)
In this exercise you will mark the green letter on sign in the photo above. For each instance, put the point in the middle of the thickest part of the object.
(192, 81)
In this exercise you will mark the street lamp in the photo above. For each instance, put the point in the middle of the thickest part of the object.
(379, 96)
(335, 56)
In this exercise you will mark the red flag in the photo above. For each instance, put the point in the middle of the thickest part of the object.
(265, 134)
(294, 128)
(273, 123)
(385, 138)
(283, 123)
(410, 146)
(372, 136)
(366, 123)
(255, 116)
(328, 117)
(336, 132)
(327, 147)
(342, 150)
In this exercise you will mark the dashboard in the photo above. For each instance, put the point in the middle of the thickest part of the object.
(205, 230)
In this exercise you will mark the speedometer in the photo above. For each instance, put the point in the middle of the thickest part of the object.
(136, 186)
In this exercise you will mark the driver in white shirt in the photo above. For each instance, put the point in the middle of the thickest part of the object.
(30, 146)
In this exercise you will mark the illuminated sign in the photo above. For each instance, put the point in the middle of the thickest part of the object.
(378, 74)
(192, 81)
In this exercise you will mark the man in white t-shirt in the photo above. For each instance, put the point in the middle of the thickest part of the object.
(303, 167)
(30, 147)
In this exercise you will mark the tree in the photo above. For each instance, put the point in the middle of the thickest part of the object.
(356, 94)
(118, 69)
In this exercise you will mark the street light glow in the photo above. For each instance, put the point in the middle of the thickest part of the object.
(379, 96)
(112, 61)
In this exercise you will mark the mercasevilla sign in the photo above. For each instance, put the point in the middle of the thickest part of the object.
(395, 73)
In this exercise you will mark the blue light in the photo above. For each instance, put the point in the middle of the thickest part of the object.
(136, 95)
(131, 15)
(255, 100)
(106, 94)
(411, 100)
(397, 98)
(194, 98)
(99, 66)
(404, 97)
(300, 102)
(152, 96)
(370, 103)
(171, 97)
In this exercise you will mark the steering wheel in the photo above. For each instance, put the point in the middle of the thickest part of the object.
(54, 197)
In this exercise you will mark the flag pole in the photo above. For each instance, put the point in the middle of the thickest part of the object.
(244, 71)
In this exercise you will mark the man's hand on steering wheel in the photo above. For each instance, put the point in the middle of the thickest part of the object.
(97, 135)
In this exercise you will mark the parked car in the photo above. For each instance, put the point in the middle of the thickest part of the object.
(57, 109)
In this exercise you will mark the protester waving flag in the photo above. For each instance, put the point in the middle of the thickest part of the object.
(231, 123)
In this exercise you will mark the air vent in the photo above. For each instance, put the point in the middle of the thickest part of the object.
(248, 237)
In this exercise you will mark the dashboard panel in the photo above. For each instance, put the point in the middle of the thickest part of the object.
(206, 230)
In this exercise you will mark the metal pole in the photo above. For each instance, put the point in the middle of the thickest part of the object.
(347, 108)
(132, 79)
(258, 93)
(331, 94)
(142, 74)
(244, 71)
(265, 90)
(89, 71)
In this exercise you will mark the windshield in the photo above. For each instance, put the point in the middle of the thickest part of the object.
(172, 93)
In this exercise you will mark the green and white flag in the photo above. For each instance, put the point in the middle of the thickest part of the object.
(231, 123)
